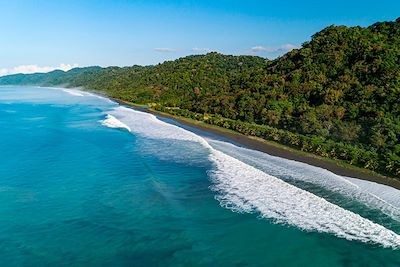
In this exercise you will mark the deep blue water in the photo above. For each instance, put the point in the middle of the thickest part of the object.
(74, 192)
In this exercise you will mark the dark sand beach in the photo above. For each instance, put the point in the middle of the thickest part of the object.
(277, 149)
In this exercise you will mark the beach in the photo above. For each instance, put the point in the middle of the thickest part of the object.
(109, 173)
(275, 149)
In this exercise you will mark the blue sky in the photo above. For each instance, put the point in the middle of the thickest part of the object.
(116, 32)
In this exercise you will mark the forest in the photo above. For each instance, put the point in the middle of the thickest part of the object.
(337, 96)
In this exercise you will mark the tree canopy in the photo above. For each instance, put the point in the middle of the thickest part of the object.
(338, 95)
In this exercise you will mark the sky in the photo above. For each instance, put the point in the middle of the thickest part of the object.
(42, 35)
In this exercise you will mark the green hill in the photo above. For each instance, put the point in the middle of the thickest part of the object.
(337, 96)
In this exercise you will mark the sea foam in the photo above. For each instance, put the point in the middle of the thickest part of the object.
(74, 92)
(112, 122)
(244, 188)
(377, 196)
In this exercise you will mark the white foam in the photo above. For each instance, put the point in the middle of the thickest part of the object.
(112, 122)
(81, 93)
(373, 195)
(148, 125)
(97, 96)
(385, 193)
(244, 188)
(74, 92)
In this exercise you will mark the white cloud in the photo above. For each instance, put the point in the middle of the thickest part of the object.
(165, 49)
(35, 68)
(270, 49)
(201, 50)
(259, 48)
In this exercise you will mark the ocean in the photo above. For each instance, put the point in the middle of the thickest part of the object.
(85, 181)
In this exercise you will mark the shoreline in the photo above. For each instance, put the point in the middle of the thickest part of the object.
(275, 149)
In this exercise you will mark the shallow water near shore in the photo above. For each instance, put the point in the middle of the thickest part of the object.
(84, 181)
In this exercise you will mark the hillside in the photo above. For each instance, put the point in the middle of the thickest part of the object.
(337, 96)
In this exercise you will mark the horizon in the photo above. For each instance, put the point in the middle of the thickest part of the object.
(66, 35)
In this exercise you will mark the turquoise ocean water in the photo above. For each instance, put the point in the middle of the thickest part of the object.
(86, 182)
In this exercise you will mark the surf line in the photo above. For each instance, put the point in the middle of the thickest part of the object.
(244, 188)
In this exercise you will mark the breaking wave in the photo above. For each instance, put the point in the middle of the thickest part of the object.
(112, 122)
(244, 188)
(377, 196)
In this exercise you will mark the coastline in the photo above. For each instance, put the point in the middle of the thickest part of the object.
(274, 149)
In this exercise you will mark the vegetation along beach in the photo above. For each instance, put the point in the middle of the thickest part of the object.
(200, 133)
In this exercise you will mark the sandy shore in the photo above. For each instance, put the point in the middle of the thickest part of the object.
(278, 150)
